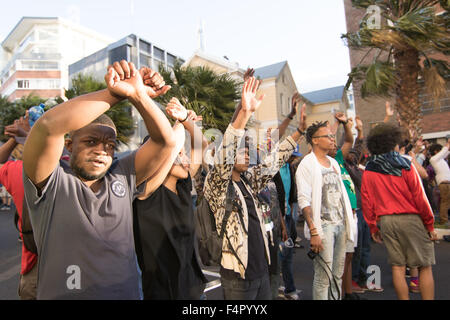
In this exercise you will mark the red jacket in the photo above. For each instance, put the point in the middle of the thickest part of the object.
(11, 178)
(383, 194)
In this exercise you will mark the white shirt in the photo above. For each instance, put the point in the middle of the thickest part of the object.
(441, 166)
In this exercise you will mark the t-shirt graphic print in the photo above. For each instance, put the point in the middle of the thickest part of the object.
(332, 202)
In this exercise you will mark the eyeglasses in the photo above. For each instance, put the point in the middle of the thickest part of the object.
(329, 136)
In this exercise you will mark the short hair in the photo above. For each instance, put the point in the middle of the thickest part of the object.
(383, 138)
(435, 148)
(103, 119)
(405, 143)
(312, 129)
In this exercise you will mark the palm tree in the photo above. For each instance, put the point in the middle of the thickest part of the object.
(210, 95)
(120, 113)
(408, 49)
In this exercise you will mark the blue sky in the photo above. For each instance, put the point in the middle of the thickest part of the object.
(253, 33)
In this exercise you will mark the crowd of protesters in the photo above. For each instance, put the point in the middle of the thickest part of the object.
(95, 227)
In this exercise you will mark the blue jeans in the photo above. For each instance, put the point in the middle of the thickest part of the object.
(286, 260)
(241, 289)
(295, 212)
(361, 256)
(194, 201)
(333, 254)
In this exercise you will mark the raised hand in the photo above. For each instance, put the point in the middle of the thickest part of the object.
(249, 73)
(295, 100)
(176, 110)
(123, 80)
(193, 116)
(249, 101)
(389, 110)
(359, 123)
(154, 83)
(19, 128)
(341, 117)
(303, 118)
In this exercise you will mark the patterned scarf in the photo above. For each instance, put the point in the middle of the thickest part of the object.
(390, 163)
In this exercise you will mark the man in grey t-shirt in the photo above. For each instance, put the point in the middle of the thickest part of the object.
(81, 213)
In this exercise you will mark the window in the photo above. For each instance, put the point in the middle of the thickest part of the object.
(39, 65)
(39, 84)
(23, 84)
(158, 53)
(283, 105)
(171, 59)
(145, 46)
(144, 60)
(48, 34)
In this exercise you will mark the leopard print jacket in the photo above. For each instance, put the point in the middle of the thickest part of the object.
(215, 190)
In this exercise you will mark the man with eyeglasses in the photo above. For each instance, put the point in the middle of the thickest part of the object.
(327, 210)
(340, 154)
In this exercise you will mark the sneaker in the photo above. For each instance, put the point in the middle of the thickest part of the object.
(373, 289)
(414, 287)
(281, 289)
(356, 288)
(352, 296)
(294, 295)
(5, 208)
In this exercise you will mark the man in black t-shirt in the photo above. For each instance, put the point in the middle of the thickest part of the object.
(164, 219)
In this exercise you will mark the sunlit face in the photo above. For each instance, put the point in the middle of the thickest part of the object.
(181, 165)
(92, 151)
(324, 139)
(242, 160)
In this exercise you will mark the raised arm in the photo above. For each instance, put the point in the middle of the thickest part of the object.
(348, 135)
(283, 126)
(389, 112)
(217, 180)
(198, 142)
(17, 132)
(280, 153)
(155, 181)
(157, 150)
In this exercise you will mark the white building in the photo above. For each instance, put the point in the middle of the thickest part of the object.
(37, 52)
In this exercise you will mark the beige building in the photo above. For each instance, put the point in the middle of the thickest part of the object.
(217, 64)
(279, 87)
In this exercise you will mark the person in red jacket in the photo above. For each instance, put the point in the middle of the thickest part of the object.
(392, 196)
(11, 178)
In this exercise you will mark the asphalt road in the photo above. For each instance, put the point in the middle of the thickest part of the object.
(10, 253)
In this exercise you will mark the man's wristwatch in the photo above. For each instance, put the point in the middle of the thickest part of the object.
(301, 132)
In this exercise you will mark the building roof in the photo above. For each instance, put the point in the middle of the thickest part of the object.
(325, 95)
(230, 65)
(271, 71)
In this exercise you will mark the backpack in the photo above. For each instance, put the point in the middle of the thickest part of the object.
(209, 241)
(27, 230)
